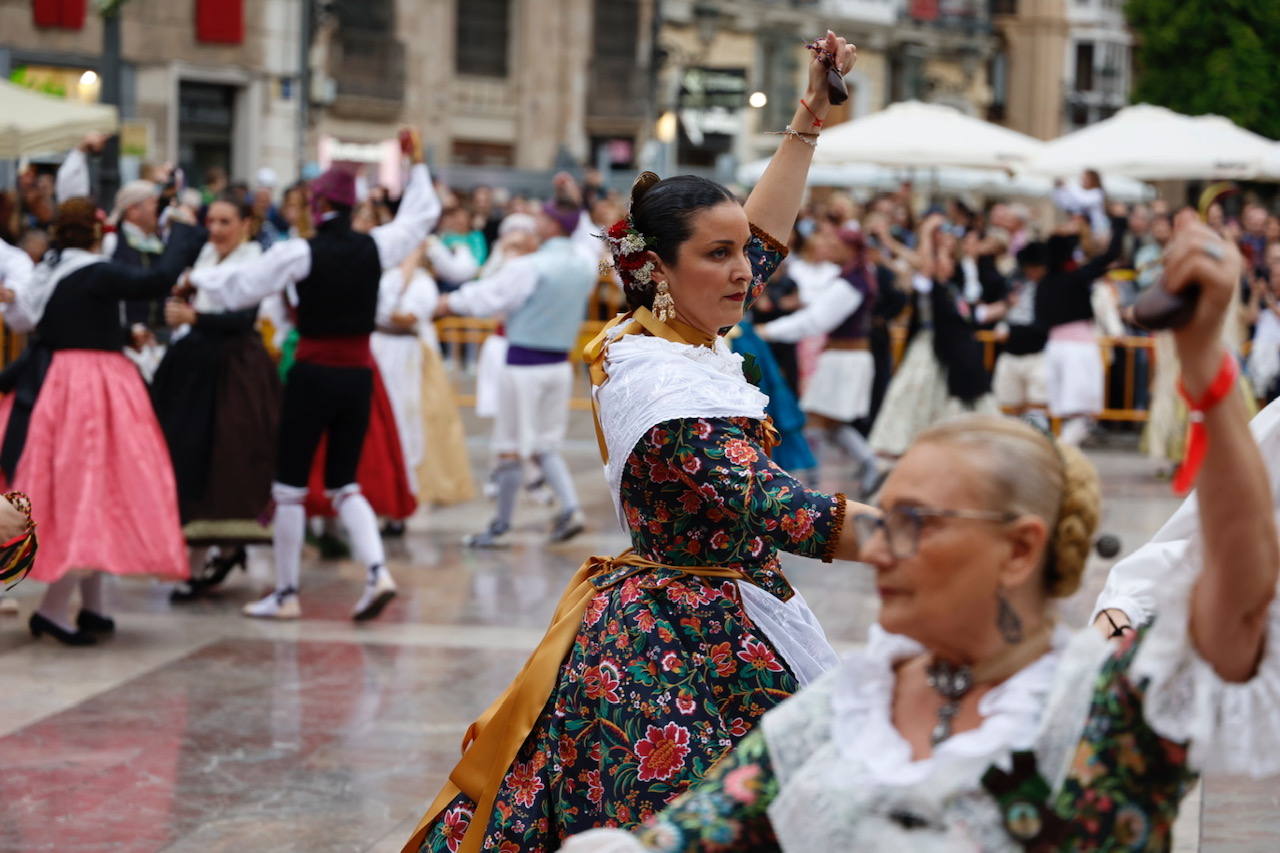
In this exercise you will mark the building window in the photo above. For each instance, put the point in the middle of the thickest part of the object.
(1084, 66)
(66, 14)
(220, 21)
(484, 37)
(467, 152)
(998, 75)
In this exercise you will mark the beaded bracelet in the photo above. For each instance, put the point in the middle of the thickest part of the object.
(810, 139)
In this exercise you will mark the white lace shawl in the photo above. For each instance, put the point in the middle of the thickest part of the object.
(845, 771)
(651, 380)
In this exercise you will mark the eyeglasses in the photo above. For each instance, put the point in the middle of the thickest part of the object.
(902, 525)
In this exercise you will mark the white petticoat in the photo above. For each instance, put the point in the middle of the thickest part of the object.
(1075, 377)
(840, 388)
(917, 399)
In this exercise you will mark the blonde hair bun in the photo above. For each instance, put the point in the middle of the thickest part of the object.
(1030, 473)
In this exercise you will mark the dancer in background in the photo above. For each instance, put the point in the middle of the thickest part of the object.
(544, 299)
(1064, 306)
(80, 436)
(407, 352)
(839, 392)
(333, 279)
(217, 396)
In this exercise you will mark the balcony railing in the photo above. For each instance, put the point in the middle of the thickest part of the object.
(368, 68)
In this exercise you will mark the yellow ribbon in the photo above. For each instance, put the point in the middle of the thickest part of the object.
(492, 742)
(641, 320)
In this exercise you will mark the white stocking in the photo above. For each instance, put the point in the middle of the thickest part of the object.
(362, 525)
(56, 603)
(93, 594)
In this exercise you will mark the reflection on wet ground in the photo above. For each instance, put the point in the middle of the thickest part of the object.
(195, 729)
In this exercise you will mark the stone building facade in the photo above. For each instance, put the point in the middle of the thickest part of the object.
(213, 83)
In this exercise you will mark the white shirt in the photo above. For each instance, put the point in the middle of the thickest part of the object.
(73, 177)
(500, 293)
(15, 274)
(289, 261)
(811, 278)
(1091, 204)
(830, 307)
(454, 265)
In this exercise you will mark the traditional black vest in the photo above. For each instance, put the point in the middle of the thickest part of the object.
(857, 325)
(340, 296)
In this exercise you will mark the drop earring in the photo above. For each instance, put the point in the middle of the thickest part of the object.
(1007, 620)
(664, 307)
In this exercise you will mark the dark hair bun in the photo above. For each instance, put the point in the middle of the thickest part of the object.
(645, 182)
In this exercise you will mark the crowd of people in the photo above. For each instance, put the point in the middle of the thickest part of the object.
(206, 369)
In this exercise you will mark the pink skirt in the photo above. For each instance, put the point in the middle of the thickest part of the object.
(97, 471)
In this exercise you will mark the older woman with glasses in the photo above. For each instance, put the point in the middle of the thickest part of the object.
(971, 721)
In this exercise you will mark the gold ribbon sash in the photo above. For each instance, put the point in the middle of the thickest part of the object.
(492, 742)
(640, 320)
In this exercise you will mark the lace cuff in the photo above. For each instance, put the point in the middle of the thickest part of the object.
(840, 510)
(1233, 728)
(770, 242)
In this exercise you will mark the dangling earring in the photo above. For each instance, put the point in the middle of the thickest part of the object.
(664, 307)
(1007, 620)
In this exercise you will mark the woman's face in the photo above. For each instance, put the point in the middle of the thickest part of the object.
(711, 276)
(944, 596)
(226, 229)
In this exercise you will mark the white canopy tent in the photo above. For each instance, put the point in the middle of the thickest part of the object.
(915, 134)
(991, 182)
(32, 123)
(1153, 143)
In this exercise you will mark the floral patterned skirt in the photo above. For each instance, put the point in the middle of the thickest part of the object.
(666, 674)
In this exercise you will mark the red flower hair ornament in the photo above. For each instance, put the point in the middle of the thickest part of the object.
(629, 251)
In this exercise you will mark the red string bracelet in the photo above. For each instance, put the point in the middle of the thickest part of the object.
(817, 122)
(1197, 437)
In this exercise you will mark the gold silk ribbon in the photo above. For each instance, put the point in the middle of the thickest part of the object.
(492, 742)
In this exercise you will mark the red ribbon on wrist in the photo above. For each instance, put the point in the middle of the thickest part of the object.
(1197, 437)
(817, 122)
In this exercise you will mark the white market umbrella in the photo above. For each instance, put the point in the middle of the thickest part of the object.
(1153, 143)
(32, 123)
(924, 136)
(989, 182)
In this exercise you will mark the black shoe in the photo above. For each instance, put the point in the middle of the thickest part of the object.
(393, 530)
(40, 626)
(92, 623)
(191, 590)
(217, 569)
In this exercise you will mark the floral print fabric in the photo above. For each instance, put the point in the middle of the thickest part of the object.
(1121, 793)
(668, 671)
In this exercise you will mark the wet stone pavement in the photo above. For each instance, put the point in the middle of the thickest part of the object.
(195, 729)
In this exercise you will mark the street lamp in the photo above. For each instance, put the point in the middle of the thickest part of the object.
(706, 17)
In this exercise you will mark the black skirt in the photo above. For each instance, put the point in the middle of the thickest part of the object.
(217, 397)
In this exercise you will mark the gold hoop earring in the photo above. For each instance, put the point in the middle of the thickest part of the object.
(664, 307)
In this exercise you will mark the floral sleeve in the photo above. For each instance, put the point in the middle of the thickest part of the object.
(766, 253)
(726, 811)
(703, 491)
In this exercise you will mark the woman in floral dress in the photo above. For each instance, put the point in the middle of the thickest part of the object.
(658, 660)
(969, 722)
